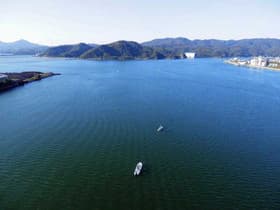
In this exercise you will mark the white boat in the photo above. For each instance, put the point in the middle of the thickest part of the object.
(160, 128)
(138, 169)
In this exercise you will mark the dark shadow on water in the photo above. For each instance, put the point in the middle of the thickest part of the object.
(146, 170)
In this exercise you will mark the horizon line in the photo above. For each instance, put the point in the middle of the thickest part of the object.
(109, 42)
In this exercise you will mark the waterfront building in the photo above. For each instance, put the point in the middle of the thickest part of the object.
(259, 61)
(190, 55)
(243, 62)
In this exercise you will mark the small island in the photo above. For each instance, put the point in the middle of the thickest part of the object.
(272, 63)
(12, 80)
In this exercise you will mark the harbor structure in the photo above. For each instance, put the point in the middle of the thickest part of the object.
(189, 55)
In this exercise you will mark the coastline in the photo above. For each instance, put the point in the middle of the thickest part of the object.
(19, 79)
(251, 66)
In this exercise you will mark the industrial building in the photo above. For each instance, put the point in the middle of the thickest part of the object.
(190, 55)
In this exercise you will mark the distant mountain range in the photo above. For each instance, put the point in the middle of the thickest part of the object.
(220, 48)
(21, 47)
(172, 48)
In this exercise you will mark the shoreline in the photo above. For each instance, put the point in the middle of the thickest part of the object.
(19, 79)
(251, 66)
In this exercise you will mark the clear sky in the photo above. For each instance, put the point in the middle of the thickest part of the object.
(55, 22)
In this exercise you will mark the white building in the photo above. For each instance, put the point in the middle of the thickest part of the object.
(273, 65)
(190, 55)
(243, 62)
(259, 61)
(3, 77)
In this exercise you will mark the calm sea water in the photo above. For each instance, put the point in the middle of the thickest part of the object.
(72, 141)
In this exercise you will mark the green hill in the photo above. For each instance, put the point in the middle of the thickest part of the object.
(67, 50)
(123, 50)
(172, 48)
(219, 48)
(120, 50)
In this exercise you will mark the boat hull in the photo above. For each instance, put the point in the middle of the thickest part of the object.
(138, 169)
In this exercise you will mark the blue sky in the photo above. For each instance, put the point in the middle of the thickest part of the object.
(55, 22)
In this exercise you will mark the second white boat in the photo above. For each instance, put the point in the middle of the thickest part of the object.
(138, 169)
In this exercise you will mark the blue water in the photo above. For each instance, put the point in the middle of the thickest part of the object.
(72, 141)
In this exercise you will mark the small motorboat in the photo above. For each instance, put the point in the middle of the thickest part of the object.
(160, 128)
(138, 169)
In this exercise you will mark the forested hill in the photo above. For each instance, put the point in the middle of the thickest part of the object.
(220, 48)
(120, 50)
(168, 48)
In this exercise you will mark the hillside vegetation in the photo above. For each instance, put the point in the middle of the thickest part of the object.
(168, 48)
(121, 50)
(220, 48)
